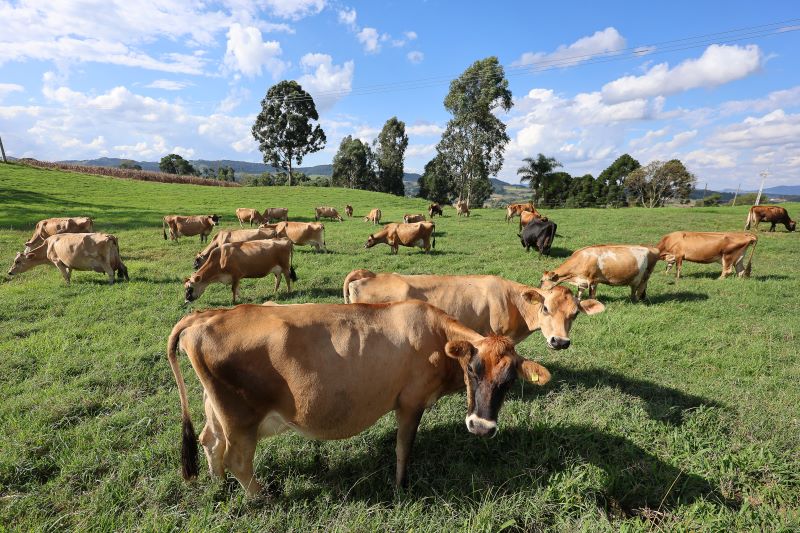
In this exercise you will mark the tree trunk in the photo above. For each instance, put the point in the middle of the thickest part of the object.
(290, 171)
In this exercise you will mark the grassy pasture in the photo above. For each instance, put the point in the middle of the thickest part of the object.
(679, 413)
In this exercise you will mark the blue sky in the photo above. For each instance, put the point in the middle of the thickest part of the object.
(83, 79)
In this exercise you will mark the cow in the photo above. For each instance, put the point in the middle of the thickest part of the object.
(374, 217)
(232, 262)
(769, 213)
(94, 252)
(189, 226)
(412, 235)
(462, 208)
(55, 226)
(330, 371)
(300, 233)
(609, 264)
(244, 214)
(435, 209)
(487, 304)
(348, 210)
(526, 217)
(411, 218)
(538, 233)
(225, 236)
(275, 213)
(514, 210)
(327, 212)
(727, 248)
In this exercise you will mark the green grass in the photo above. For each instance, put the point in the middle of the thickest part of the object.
(680, 413)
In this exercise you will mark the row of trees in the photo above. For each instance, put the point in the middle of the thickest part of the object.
(175, 164)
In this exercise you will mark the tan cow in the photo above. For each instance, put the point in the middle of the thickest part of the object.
(225, 236)
(609, 264)
(55, 226)
(276, 213)
(727, 248)
(232, 262)
(395, 235)
(515, 210)
(330, 371)
(244, 214)
(300, 233)
(327, 212)
(462, 208)
(409, 218)
(189, 226)
(374, 217)
(435, 209)
(487, 304)
(348, 210)
(773, 214)
(526, 217)
(94, 252)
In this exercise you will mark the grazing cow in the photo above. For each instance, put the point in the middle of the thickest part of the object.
(231, 262)
(327, 212)
(275, 213)
(610, 264)
(412, 235)
(94, 252)
(408, 219)
(727, 248)
(487, 304)
(189, 226)
(435, 209)
(526, 217)
(312, 233)
(769, 213)
(225, 236)
(55, 226)
(330, 371)
(348, 210)
(374, 217)
(514, 210)
(462, 208)
(538, 233)
(244, 214)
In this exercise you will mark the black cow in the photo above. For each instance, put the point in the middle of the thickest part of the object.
(539, 234)
(435, 209)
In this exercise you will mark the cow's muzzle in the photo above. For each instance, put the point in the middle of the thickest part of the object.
(558, 343)
(480, 426)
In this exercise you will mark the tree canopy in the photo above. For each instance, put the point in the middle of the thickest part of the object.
(537, 171)
(657, 182)
(354, 166)
(175, 164)
(390, 149)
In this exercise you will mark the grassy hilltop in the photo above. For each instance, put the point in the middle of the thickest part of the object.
(678, 413)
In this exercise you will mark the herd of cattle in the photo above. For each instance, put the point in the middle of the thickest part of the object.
(398, 343)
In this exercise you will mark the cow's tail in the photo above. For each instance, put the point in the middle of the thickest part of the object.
(749, 219)
(355, 275)
(164, 227)
(749, 268)
(292, 273)
(189, 464)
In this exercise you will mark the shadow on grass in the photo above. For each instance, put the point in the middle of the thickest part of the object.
(678, 296)
(557, 251)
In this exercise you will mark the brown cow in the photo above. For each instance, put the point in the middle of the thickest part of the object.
(462, 208)
(769, 213)
(408, 218)
(94, 252)
(374, 217)
(243, 214)
(514, 210)
(487, 304)
(435, 209)
(55, 226)
(312, 233)
(275, 213)
(189, 226)
(727, 248)
(327, 212)
(330, 371)
(225, 236)
(526, 217)
(231, 262)
(348, 210)
(609, 264)
(412, 235)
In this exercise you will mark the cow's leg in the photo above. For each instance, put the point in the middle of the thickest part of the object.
(65, 271)
(407, 423)
(772, 228)
(288, 278)
(109, 272)
(235, 289)
(738, 264)
(213, 440)
(678, 267)
(277, 280)
(592, 290)
(240, 224)
(240, 450)
(726, 266)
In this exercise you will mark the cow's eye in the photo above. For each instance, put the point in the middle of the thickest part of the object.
(545, 310)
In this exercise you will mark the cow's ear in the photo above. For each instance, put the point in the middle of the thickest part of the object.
(552, 276)
(592, 307)
(533, 296)
(186, 280)
(459, 349)
(532, 372)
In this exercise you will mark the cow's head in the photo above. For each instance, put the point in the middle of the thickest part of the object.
(215, 219)
(199, 259)
(371, 241)
(792, 225)
(549, 279)
(192, 289)
(490, 368)
(557, 309)
(22, 262)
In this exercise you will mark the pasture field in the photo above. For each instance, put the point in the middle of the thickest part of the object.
(681, 413)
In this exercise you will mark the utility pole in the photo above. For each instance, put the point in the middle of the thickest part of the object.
(704, 193)
(735, 195)
(3, 151)
(763, 174)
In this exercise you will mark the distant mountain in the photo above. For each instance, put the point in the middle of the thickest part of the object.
(783, 190)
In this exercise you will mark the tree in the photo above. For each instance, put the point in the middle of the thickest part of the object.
(283, 129)
(354, 166)
(175, 164)
(434, 184)
(536, 171)
(130, 164)
(611, 182)
(390, 149)
(474, 140)
(712, 200)
(654, 184)
(226, 173)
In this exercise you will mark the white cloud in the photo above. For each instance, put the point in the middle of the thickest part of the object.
(774, 128)
(604, 42)
(168, 85)
(415, 56)
(348, 17)
(324, 80)
(248, 53)
(424, 129)
(8, 88)
(369, 39)
(713, 159)
(410, 35)
(421, 150)
(718, 65)
(294, 9)
(774, 100)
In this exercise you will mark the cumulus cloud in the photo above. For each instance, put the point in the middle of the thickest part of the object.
(415, 56)
(248, 53)
(8, 88)
(324, 80)
(347, 17)
(718, 65)
(774, 128)
(370, 40)
(294, 9)
(603, 42)
(424, 129)
(168, 85)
